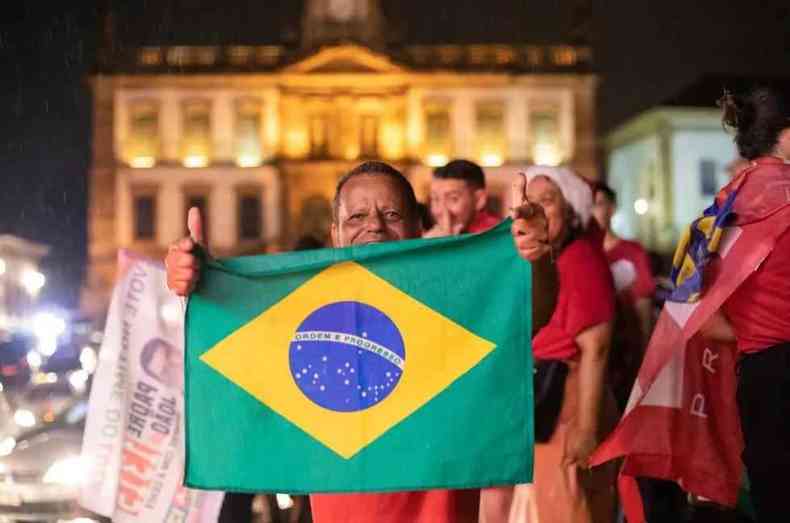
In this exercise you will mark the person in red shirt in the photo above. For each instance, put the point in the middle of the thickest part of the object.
(375, 203)
(756, 316)
(458, 200)
(577, 333)
(634, 285)
(458, 206)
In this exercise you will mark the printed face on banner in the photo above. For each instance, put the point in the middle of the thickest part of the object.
(163, 362)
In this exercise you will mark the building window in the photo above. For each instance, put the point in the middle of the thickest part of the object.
(199, 200)
(178, 56)
(450, 54)
(205, 55)
(315, 218)
(438, 142)
(564, 55)
(239, 54)
(319, 139)
(250, 217)
(368, 136)
(150, 56)
(478, 54)
(707, 177)
(490, 123)
(196, 138)
(144, 217)
(248, 133)
(143, 146)
(544, 125)
(268, 54)
(504, 55)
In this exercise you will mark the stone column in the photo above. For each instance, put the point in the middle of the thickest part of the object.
(222, 209)
(343, 139)
(121, 124)
(271, 123)
(271, 199)
(516, 126)
(585, 153)
(415, 133)
(222, 119)
(170, 213)
(170, 119)
(566, 124)
(463, 125)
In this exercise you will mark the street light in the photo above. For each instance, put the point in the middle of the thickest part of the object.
(48, 327)
(641, 206)
(32, 281)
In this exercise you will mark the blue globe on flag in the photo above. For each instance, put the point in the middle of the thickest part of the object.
(347, 356)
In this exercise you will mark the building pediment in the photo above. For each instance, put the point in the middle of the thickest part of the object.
(348, 58)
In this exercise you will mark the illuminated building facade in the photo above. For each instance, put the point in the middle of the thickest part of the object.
(20, 280)
(258, 135)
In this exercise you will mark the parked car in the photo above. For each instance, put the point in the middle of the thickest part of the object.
(42, 403)
(40, 479)
(14, 368)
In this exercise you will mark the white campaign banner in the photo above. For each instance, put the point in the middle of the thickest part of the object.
(134, 433)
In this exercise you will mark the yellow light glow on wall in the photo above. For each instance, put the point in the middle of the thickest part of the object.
(351, 152)
(436, 160)
(248, 160)
(546, 154)
(296, 144)
(491, 159)
(247, 132)
(391, 141)
(142, 162)
(195, 160)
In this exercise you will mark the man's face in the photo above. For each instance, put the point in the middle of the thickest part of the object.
(603, 210)
(456, 201)
(372, 209)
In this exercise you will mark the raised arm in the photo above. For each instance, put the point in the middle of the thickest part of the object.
(531, 238)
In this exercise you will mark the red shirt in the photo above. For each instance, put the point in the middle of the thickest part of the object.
(759, 309)
(630, 266)
(483, 221)
(431, 506)
(585, 299)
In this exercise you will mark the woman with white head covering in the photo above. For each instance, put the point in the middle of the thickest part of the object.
(578, 334)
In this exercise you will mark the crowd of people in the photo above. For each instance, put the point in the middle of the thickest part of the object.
(593, 309)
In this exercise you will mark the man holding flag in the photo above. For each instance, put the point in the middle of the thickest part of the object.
(375, 203)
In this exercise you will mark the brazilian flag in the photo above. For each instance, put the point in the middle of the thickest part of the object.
(397, 366)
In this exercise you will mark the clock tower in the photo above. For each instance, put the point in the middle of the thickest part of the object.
(335, 21)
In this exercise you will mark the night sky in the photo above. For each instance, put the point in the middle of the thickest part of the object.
(645, 51)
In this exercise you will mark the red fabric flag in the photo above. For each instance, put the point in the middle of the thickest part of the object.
(681, 422)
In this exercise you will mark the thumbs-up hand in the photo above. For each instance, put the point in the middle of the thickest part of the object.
(530, 228)
(183, 267)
